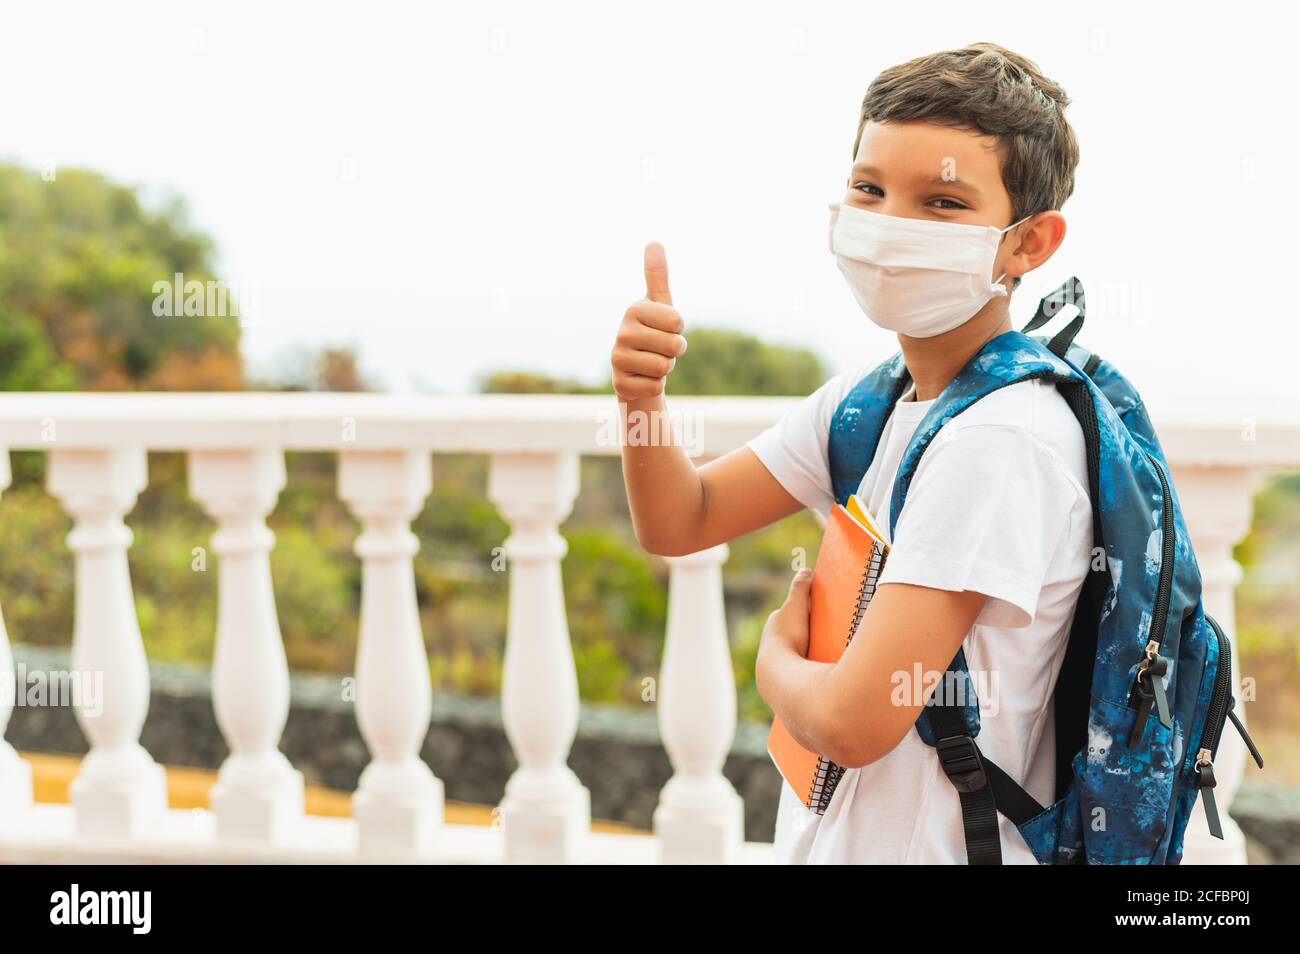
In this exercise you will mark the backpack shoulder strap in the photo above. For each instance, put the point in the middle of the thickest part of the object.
(858, 423)
(983, 789)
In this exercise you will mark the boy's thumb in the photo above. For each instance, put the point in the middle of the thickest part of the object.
(797, 598)
(656, 274)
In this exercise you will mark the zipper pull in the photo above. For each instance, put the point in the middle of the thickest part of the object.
(1154, 666)
(1158, 688)
(1143, 712)
(1145, 697)
(1205, 785)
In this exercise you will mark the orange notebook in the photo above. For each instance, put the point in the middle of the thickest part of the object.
(849, 562)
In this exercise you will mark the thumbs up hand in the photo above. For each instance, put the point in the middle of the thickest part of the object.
(649, 340)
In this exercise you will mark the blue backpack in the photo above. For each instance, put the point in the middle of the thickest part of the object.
(1145, 688)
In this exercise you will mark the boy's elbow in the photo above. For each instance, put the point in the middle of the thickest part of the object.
(665, 540)
(660, 544)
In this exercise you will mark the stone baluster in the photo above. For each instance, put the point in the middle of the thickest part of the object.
(398, 804)
(258, 794)
(119, 790)
(15, 773)
(700, 817)
(1216, 504)
(546, 812)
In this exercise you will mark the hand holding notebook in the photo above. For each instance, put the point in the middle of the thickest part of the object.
(849, 561)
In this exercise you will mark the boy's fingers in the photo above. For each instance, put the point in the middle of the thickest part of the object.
(656, 315)
(656, 274)
(647, 338)
(646, 363)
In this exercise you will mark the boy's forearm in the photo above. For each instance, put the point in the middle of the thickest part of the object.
(664, 491)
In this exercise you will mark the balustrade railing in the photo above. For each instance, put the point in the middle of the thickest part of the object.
(96, 446)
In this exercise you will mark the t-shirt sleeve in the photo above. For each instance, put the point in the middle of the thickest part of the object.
(794, 449)
(988, 507)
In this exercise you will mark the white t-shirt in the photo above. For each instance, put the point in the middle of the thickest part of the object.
(998, 504)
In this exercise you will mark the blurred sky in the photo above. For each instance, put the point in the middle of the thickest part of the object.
(460, 187)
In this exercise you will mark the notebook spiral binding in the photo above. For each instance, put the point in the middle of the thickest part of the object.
(828, 773)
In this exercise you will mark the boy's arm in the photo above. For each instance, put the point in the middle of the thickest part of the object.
(988, 510)
(679, 508)
(676, 507)
(857, 710)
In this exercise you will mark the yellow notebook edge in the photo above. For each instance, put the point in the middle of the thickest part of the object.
(863, 517)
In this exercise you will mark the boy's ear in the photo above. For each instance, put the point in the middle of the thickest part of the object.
(1036, 241)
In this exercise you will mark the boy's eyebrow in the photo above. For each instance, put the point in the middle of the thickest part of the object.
(956, 184)
(869, 170)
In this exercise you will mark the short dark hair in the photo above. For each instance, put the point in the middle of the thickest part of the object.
(988, 89)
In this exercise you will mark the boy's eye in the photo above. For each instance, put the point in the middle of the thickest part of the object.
(943, 202)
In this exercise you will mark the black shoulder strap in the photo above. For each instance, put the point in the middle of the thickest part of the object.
(984, 789)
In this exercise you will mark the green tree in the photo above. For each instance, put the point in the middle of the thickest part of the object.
(79, 259)
(720, 361)
(28, 361)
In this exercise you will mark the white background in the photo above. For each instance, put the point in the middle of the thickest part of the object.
(454, 190)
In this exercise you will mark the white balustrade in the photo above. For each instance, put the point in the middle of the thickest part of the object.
(120, 790)
(258, 794)
(235, 443)
(546, 811)
(15, 773)
(399, 802)
(700, 818)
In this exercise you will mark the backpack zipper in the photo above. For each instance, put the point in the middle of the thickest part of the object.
(1154, 665)
(1220, 712)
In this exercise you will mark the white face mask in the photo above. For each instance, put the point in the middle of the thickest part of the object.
(916, 277)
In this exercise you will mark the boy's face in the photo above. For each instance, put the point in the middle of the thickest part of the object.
(920, 170)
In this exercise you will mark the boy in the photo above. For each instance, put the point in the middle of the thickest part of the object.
(961, 164)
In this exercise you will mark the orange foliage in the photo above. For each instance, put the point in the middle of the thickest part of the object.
(212, 369)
